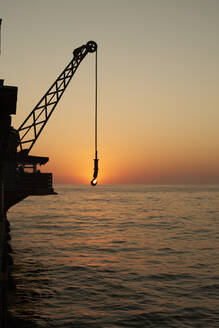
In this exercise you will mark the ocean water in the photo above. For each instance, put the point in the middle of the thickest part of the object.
(116, 256)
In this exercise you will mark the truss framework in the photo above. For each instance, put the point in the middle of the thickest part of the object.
(33, 125)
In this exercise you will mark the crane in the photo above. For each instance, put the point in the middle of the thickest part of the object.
(30, 130)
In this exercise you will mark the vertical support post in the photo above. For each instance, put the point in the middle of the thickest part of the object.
(0, 36)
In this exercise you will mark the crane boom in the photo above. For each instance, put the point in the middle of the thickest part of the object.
(33, 125)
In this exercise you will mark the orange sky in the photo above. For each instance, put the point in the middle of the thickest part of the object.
(158, 86)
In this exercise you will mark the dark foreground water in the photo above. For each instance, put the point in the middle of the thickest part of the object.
(117, 256)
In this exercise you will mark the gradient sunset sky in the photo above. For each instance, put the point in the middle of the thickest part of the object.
(158, 86)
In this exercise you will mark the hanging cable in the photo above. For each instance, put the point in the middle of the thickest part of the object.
(94, 180)
(96, 104)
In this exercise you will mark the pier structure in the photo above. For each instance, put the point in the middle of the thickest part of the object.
(19, 176)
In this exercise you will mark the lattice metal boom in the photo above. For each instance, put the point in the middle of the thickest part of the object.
(33, 125)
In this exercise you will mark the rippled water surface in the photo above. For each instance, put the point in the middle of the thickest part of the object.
(117, 256)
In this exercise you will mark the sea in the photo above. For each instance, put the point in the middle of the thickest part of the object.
(116, 256)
